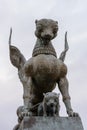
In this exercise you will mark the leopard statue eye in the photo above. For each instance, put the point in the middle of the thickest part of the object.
(39, 28)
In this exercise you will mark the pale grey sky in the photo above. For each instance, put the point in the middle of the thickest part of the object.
(20, 15)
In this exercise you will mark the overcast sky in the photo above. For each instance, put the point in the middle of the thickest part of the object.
(20, 15)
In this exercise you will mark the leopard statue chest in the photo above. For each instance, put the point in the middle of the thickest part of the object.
(44, 68)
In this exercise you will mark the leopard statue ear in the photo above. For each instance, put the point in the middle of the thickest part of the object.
(16, 57)
(56, 22)
(44, 94)
(36, 21)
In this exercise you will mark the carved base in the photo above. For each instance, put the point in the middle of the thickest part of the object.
(51, 123)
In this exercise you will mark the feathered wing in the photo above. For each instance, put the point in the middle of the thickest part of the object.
(63, 54)
(16, 57)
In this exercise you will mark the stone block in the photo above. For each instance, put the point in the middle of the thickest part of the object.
(51, 123)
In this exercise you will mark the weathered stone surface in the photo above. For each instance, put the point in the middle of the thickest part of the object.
(51, 123)
(43, 70)
(39, 75)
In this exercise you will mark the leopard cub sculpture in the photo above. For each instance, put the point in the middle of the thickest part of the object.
(43, 70)
(50, 105)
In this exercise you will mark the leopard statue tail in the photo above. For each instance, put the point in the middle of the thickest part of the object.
(63, 54)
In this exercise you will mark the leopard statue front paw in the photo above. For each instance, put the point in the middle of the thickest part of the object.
(72, 114)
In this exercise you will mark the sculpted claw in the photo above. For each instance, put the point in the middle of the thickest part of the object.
(75, 114)
(26, 114)
(72, 114)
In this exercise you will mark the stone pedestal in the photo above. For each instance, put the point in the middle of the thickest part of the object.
(51, 123)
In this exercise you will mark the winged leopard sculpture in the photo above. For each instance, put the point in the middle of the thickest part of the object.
(43, 70)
